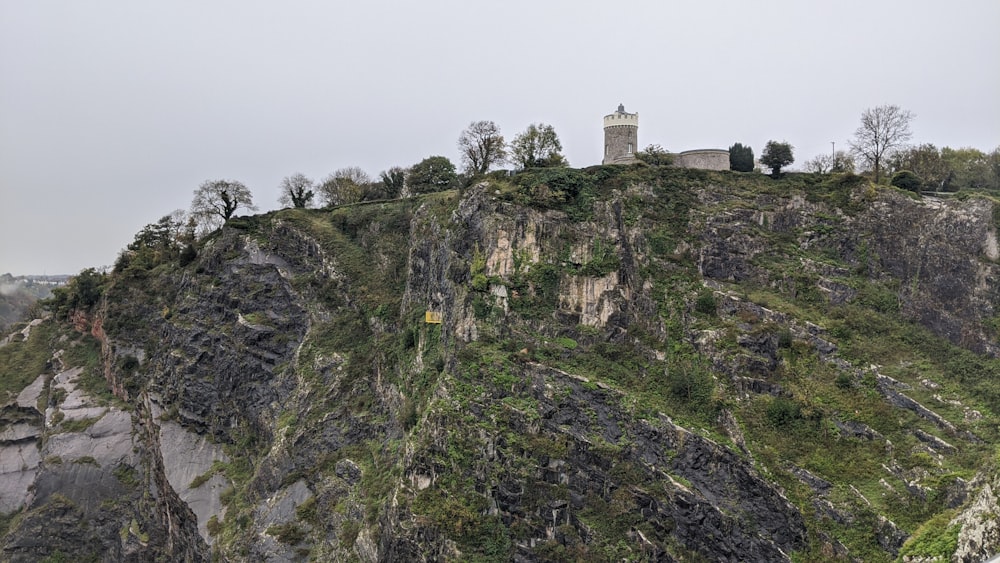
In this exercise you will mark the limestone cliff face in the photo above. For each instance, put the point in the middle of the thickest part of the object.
(613, 379)
(941, 255)
(78, 476)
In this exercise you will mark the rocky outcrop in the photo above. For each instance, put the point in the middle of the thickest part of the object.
(698, 514)
(189, 462)
(943, 253)
(979, 536)
(72, 466)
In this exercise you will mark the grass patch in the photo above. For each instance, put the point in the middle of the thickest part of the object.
(935, 538)
(288, 533)
(22, 362)
(78, 425)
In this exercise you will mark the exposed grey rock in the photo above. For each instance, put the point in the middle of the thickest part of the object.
(888, 387)
(956, 493)
(19, 432)
(28, 398)
(85, 484)
(930, 384)
(837, 293)
(856, 429)
(187, 456)
(710, 468)
(18, 467)
(937, 444)
(826, 509)
(749, 386)
(818, 484)
(979, 537)
(889, 536)
(281, 507)
(280, 510)
(109, 441)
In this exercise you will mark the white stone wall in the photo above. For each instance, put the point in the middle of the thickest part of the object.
(704, 159)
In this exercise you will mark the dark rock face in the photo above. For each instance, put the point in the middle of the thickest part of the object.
(722, 484)
(344, 440)
(942, 252)
(853, 429)
(680, 487)
(943, 261)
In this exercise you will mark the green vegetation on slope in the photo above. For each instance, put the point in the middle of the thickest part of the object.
(23, 361)
(400, 396)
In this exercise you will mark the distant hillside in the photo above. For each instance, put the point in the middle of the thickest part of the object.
(18, 293)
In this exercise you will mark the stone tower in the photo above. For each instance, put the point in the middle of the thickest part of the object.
(621, 136)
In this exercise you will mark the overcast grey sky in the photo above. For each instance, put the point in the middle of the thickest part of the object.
(113, 112)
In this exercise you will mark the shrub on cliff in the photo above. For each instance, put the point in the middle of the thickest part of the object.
(907, 180)
(655, 155)
(81, 294)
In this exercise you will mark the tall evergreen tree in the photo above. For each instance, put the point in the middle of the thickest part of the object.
(740, 158)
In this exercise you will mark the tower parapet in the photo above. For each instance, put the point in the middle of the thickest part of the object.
(621, 136)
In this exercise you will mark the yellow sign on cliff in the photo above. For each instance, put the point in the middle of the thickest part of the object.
(433, 317)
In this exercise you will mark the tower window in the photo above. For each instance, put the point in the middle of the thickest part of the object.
(629, 148)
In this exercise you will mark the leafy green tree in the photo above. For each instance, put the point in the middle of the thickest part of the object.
(393, 181)
(655, 155)
(432, 174)
(158, 243)
(81, 293)
(776, 156)
(968, 169)
(537, 147)
(741, 158)
(157, 238)
(925, 161)
(482, 146)
(993, 161)
(215, 201)
(883, 129)
(344, 186)
(296, 191)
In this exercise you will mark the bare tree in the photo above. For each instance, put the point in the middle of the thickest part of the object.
(296, 191)
(215, 201)
(824, 163)
(482, 146)
(883, 129)
(344, 186)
